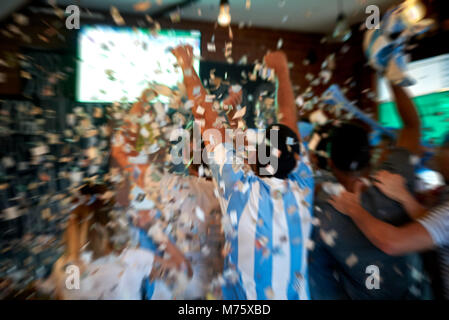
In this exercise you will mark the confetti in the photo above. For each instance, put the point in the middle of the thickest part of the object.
(239, 114)
(200, 214)
(149, 19)
(328, 237)
(310, 245)
(196, 91)
(200, 110)
(20, 19)
(279, 44)
(11, 213)
(175, 17)
(351, 260)
(231, 34)
(25, 75)
(38, 151)
(290, 141)
(116, 16)
(142, 6)
(233, 216)
(269, 293)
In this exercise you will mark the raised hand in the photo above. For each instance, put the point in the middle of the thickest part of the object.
(276, 60)
(348, 202)
(184, 55)
(287, 112)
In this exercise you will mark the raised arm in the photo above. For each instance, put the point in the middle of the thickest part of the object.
(285, 99)
(410, 136)
(194, 87)
(202, 110)
(388, 238)
(127, 135)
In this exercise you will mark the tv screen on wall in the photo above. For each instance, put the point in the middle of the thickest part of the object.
(116, 63)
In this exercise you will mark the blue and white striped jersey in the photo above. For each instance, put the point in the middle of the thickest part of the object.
(436, 222)
(269, 223)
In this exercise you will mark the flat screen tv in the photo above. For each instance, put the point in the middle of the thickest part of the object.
(116, 63)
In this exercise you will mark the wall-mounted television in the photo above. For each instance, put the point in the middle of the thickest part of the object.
(116, 63)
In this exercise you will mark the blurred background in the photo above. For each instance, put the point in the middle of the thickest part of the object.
(56, 84)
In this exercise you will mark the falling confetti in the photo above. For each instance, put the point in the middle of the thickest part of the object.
(116, 16)
(142, 6)
(279, 44)
(352, 260)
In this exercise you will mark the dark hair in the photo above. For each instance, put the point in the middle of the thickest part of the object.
(286, 160)
(350, 148)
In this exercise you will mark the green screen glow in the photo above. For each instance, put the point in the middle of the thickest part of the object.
(434, 113)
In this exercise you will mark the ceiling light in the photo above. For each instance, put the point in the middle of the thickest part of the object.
(224, 17)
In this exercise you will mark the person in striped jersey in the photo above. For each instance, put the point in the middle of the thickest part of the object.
(268, 209)
(429, 230)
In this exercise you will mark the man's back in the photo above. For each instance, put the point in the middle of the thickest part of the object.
(340, 262)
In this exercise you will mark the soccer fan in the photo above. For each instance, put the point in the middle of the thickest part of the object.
(186, 204)
(342, 253)
(269, 211)
(99, 245)
(429, 230)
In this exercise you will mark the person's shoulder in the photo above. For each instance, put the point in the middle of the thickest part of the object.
(302, 173)
(329, 189)
(322, 207)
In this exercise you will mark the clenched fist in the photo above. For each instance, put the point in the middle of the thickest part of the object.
(184, 55)
(276, 60)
